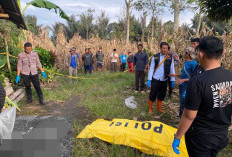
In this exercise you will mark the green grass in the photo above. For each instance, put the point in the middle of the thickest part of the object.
(104, 98)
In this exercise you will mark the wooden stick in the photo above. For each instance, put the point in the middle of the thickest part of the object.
(1, 9)
(4, 16)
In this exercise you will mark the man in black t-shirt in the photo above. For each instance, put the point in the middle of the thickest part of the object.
(208, 108)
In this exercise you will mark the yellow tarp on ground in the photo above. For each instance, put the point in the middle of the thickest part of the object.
(150, 137)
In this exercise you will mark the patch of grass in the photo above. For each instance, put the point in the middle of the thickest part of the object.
(104, 98)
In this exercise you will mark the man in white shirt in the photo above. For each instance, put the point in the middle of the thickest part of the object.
(114, 61)
(162, 65)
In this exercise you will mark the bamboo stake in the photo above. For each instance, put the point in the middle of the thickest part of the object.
(7, 56)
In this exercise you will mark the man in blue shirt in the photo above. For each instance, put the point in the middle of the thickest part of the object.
(73, 61)
(187, 71)
(140, 62)
(123, 59)
(162, 64)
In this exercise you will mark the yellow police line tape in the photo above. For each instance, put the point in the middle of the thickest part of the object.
(75, 77)
(8, 101)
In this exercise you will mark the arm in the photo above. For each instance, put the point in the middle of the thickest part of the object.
(134, 60)
(172, 70)
(185, 122)
(20, 65)
(39, 63)
(151, 70)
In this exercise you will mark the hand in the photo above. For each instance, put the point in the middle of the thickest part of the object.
(173, 84)
(175, 144)
(17, 79)
(44, 75)
(184, 94)
(148, 83)
(174, 75)
(180, 81)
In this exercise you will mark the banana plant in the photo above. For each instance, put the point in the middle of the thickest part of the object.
(46, 5)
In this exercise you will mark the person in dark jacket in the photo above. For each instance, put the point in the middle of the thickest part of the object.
(130, 60)
(100, 59)
(87, 58)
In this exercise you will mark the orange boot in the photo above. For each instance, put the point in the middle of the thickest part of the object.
(159, 104)
(150, 103)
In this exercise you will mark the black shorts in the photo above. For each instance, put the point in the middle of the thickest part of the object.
(158, 90)
(205, 145)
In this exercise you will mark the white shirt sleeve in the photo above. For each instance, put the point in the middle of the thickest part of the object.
(151, 70)
(172, 71)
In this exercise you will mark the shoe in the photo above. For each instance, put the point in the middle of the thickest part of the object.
(150, 104)
(29, 100)
(41, 101)
(159, 104)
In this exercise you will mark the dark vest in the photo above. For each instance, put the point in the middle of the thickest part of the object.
(167, 64)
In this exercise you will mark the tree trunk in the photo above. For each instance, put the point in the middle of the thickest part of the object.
(144, 17)
(176, 15)
(152, 30)
(199, 23)
(7, 56)
(128, 5)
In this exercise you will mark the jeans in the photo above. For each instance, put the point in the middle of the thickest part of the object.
(88, 68)
(139, 78)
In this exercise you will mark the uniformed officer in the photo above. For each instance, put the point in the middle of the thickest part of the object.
(2, 96)
(162, 64)
(28, 61)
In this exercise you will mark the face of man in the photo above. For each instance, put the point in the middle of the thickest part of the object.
(72, 52)
(140, 49)
(100, 50)
(164, 49)
(86, 51)
(28, 49)
(194, 44)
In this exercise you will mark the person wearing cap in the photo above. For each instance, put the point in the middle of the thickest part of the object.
(114, 61)
(187, 70)
(162, 64)
(208, 108)
(100, 59)
(171, 84)
(73, 63)
(28, 61)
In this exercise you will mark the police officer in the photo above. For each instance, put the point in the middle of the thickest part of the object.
(28, 61)
(2, 96)
(162, 64)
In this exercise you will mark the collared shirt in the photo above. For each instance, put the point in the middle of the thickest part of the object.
(159, 73)
(28, 63)
(140, 61)
(73, 61)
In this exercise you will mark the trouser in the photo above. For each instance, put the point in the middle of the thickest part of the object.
(169, 87)
(131, 67)
(158, 90)
(88, 68)
(72, 72)
(27, 79)
(182, 90)
(2, 96)
(139, 78)
(114, 66)
(205, 145)
(123, 66)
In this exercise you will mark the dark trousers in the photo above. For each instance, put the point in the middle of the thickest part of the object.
(169, 87)
(139, 78)
(114, 66)
(123, 66)
(88, 68)
(2, 96)
(182, 90)
(205, 145)
(158, 90)
(27, 79)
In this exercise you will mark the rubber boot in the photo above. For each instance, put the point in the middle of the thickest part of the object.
(159, 104)
(150, 104)
(41, 100)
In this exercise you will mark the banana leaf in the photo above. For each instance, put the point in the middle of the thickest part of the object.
(47, 5)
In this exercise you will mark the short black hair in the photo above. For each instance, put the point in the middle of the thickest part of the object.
(89, 48)
(115, 50)
(129, 52)
(86, 49)
(27, 45)
(212, 47)
(195, 40)
(140, 45)
(164, 43)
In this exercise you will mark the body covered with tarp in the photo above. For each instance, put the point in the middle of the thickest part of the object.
(150, 137)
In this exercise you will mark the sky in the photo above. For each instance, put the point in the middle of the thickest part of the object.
(113, 9)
